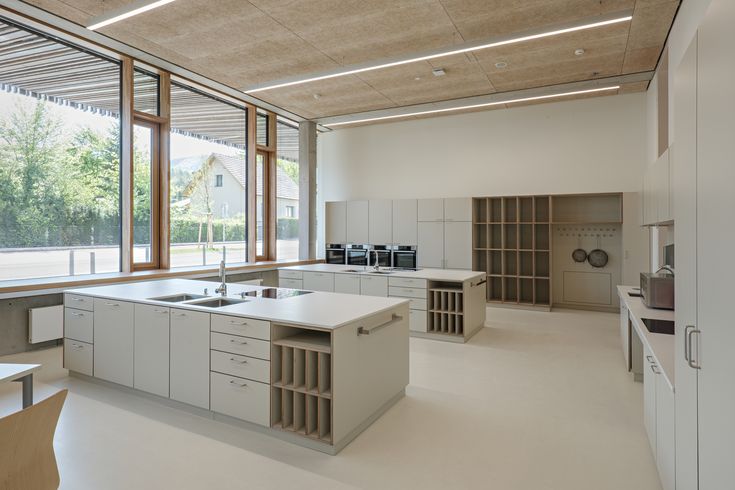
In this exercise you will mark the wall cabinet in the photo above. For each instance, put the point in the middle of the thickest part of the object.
(380, 222)
(347, 283)
(319, 281)
(357, 222)
(649, 397)
(151, 360)
(657, 191)
(373, 286)
(430, 244)
(113, 340)
(458, 209)
(430, 210)
(405, 219)
(336, 222)
(458, 245)
(189, 377)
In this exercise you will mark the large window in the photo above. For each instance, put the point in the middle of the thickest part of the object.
(208, 179)
(59, 158)
(287, 190)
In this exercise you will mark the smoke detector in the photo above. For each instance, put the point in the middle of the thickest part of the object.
(438, 72)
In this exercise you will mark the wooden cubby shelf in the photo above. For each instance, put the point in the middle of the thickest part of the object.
(445, 310)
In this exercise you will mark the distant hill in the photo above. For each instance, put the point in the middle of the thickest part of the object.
(188, 164)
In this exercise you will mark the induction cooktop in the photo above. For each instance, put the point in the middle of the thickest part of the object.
(659, 326)
(276, 293)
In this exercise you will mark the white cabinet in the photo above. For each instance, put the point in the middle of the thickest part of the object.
(336, 222)
(458, 209)
(657, 206)
(417, 320)
(241, 398)
(665, 429)
(347, 283)
(405, 219)
(649, 396)
(78, 325)
(373, 286)
(113, 339)
(430, 251)
(189, 367)
(357, 222)
(319, 281)
(151, 360)
(380, 222)
(78, 356)
(290, 279)
(625, 333)
(431, 210)
(458, 245)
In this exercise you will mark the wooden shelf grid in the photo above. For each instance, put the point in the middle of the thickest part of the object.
(446, 311)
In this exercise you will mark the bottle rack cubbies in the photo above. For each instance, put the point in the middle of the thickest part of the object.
(301, 382)
(446, 309)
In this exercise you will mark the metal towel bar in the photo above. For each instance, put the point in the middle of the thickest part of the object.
(368, 331)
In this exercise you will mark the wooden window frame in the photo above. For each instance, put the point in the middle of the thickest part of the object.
(269, 187)
(154, 124)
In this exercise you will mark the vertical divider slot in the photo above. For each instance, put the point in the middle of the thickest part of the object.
(312, 367)
(276, 402)
(299, 411)
(311, 414)
(287, 366)
(325, 373)
(299, 368)
(276, 363)
(287, 409)
(325, 419)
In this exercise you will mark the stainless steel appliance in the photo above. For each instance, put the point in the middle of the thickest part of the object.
(383, 255)
(404, 257)
(357, 254)
(336, 253)
(657, 290)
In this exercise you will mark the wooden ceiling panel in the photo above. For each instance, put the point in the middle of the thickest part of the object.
(648, 30)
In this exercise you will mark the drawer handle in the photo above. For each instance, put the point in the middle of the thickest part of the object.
(114, 305)
(240, 342)
(650, 358)
(653, 368)
(77, 314)
(179, 314)
(78, 299)
(235, 322)
(78, 346)
(236, 361)
(160, 311)
(243, 385)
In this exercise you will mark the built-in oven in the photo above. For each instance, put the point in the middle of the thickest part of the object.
(383, 254)
(357, 254)
(404, 257)
(336, 254)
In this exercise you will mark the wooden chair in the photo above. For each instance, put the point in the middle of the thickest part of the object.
(27, 459)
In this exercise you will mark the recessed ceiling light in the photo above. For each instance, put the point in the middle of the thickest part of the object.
(317, 96)
(579, 52)
(583, 24)
(135, 8)
(417, 78)
(438, 72)
(475, 106)
(501, 64)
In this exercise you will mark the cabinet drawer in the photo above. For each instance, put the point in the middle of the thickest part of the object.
(286, 274)
(291, 283)
(405, 282)
(78, 325)
(347, 283)
(78, 301)
(78, 356)
(417, 304)
(407, 292)
(248, 327)
(417, 320)
(241, 345)
(241, 366)
(319, 281)
(241, 398)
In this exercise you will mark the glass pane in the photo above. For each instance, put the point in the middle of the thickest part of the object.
(59, 159)
(261, 128)
(259, 209)
(142, 157)
(208, 179)
(287, 191)
(145, 92)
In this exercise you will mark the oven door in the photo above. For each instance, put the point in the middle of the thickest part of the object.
(357, 257)
(383, 258)
(404, 260)
(335, 256)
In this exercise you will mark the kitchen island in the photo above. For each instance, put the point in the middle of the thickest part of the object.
(445, 304)
(312, 368)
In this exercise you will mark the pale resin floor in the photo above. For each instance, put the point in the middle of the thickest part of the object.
(536, 401)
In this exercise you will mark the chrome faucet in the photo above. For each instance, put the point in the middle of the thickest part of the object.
(222, 289)
(376, 266)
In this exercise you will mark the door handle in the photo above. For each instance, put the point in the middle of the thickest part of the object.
(686, 342)
(691, 362)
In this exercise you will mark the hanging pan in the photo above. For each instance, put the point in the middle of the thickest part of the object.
(598, 257)
(579, 254)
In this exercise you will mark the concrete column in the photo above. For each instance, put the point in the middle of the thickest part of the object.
(307, 190)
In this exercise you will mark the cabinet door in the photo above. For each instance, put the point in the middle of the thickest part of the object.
(190, 357)
(357, 222)
(684, 164)
(336, 222)
(417, 320)
(405, 218)
(430, 248)
(113, 341)
(625, 333)
(374, 286)
(662, 188)
(431, 209)
(347, 283)
(665, 440)
(649, 397)
(151, 363)
(458, 245)
(380, 222)
(319, 281)
(458, 209)
(715, 236)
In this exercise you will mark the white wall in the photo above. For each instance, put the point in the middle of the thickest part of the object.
(590, 145)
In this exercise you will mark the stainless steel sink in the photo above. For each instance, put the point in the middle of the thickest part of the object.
(217, 302)
(178, 298)
(380, 272)
(351, 270)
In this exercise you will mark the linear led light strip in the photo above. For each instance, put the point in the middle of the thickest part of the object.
(449, 52)
(117, 15)
(474, 106)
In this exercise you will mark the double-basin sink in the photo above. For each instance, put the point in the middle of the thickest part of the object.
(369, 271)
(199, 300)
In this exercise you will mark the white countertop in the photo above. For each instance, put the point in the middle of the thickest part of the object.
(661, 345)
(11, 372)
(320, 310)
(429, 274)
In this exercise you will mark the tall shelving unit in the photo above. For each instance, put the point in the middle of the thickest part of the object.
(512, 243)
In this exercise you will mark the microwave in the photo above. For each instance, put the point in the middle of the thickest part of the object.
(657, 290)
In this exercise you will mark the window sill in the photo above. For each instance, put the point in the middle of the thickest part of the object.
(50, 285)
